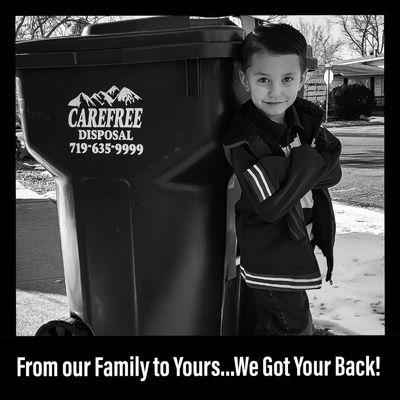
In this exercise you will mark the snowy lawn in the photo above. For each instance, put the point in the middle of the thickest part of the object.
(354, 304)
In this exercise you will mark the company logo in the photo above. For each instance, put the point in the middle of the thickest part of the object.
(110, 109)
(113, 97)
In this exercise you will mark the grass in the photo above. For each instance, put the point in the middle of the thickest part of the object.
(361, 187)
(373, 120)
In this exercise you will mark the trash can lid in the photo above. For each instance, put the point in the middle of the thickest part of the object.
(154, 24)
(135, 41)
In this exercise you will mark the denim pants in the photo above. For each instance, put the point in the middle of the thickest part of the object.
(272, 312)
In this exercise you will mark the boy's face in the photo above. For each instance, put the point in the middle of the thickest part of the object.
(273, 82)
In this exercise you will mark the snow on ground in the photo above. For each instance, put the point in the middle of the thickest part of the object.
(357, 219)
(354, 304)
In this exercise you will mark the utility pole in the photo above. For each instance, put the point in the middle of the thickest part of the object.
(328, 78)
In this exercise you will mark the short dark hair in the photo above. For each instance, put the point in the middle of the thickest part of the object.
(276, 38)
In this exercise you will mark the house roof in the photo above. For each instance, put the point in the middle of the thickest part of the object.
(357, 69)
(346, 70)
(361, 60)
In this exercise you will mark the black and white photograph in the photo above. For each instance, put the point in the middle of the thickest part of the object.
(200, 175)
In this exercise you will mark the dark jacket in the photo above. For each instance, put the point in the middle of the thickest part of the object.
(274, 245)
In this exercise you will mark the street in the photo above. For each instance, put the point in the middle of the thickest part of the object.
(362, 146)
(362, 162)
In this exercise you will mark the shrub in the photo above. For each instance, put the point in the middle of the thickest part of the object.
(348, 102)
(18, 149)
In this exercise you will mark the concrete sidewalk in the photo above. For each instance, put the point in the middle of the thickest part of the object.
(40, 288)
(40, 285)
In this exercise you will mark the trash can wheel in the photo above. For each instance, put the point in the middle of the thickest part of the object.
(64, 327)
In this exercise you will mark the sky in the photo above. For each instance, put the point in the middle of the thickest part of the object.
(324, 20)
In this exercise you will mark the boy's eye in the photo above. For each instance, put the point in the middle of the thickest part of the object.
(262, 80)
(287, 79)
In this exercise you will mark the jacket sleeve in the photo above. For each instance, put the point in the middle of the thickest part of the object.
(329, 147)
(274, 184)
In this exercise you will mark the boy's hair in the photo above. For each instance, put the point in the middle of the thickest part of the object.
(275, 38)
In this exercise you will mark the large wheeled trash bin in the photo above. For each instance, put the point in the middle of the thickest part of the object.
(129, 118)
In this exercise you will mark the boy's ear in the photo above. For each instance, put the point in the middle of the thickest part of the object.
(243, 80)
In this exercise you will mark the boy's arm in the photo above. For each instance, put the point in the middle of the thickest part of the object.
(274, 184)
(329, 147)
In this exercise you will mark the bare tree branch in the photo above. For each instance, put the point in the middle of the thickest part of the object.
(56, 25)
(319, 38)
(364, 32)
(39, 26)
(271, 19)
(19, 22)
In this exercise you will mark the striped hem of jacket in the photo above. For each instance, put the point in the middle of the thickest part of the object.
(260, 281)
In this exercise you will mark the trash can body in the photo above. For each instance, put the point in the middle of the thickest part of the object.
(130, 125)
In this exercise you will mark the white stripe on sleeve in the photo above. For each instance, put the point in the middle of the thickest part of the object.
(263, 179)
(257, 183)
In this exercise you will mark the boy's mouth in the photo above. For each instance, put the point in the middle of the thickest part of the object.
(274, 103)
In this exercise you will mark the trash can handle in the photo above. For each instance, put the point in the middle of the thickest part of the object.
(248, 22)
(139, 24)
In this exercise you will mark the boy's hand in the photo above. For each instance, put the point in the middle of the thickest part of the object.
(329, 148)
(325, 141)
(305, 156)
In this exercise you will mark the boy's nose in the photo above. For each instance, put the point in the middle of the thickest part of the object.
(274, 90)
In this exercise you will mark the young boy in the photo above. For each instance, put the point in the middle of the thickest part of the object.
(284, 161)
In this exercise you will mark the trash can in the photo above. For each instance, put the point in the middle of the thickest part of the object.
(129, 119)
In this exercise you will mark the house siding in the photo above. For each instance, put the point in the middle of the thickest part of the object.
(315, 88)
(367, 71)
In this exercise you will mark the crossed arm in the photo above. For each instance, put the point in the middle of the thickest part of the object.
(274, 184)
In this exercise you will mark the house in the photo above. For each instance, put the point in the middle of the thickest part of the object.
(368, 71)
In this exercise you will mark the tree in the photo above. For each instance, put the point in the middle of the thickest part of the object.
(325, 49)
(31, 27)
(271, 19)
(365, 33)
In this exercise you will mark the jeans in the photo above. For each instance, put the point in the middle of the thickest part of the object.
(272, 312)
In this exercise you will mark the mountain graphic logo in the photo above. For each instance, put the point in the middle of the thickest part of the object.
(113, 97)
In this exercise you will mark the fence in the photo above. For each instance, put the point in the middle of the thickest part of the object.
(315, 92)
